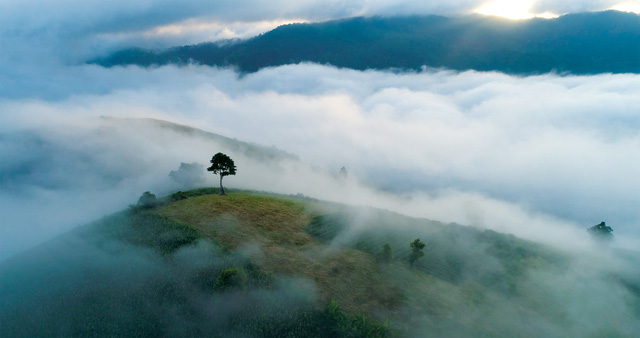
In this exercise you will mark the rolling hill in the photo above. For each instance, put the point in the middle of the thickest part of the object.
(258, 264)
(584, 43)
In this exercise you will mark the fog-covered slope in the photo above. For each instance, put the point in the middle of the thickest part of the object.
(585, 43)
(261, 265)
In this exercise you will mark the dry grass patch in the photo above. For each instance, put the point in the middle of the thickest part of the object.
(278, 226)
(238, 218)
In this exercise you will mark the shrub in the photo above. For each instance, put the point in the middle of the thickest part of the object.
(231, 278)
(179, 196)
(339, 324)
(416, 250)
(147, 200)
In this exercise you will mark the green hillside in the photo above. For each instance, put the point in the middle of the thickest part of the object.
(251, 264)
(280, 228)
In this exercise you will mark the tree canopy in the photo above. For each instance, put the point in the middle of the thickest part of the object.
(147, 200)
(222, 165)
(416, 250)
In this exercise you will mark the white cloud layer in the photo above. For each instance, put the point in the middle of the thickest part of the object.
(532, 156)
(511, 153)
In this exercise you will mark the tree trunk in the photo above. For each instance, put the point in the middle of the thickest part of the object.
(221, 187)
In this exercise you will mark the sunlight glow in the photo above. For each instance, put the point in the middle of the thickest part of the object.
(512, 9)
(547, 15)
(628, 6)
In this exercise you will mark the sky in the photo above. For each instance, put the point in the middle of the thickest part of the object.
(77, 29)
(525, 155)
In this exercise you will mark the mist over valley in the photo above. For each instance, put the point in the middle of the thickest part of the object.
(402, 170)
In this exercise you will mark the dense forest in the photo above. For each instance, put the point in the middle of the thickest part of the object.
(586, 43)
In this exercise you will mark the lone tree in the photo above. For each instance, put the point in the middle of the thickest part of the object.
(222, 165)
(416, 250)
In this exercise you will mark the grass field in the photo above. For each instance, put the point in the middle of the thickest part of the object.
(338, 247)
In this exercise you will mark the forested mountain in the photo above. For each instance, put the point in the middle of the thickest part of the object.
(585, 43)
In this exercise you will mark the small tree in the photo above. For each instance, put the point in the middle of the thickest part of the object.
(416, 250)
(231, 278)
(222, 165)
(147, 200)
(387, 253)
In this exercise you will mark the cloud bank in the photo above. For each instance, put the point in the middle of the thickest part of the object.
(540, 157)
(528, 156)
(551, 148)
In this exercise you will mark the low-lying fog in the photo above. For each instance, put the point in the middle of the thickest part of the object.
(517, 154)
(542, 157)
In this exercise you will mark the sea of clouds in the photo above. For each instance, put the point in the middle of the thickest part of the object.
(510, 153)
(542, 157)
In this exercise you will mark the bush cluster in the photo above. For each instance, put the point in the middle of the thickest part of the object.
(231, 278)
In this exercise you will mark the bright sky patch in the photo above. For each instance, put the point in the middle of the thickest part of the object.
(629, 6)
(512, 9)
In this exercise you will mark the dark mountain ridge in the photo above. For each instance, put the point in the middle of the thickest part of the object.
(584, 43)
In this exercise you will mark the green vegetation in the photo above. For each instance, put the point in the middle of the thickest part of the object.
(222, 165)
(326, 227)
(279, 266)
(299, 237)
(181, 195)
(416, 250)
(340, 324)
(147, 200)
(143, 228)
(231, 278)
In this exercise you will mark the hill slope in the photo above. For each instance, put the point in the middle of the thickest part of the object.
(586, 43)
(252, 264)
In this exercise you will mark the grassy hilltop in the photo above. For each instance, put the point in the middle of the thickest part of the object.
(251, 264)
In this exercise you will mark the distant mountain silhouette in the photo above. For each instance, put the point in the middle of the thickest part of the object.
(584, 43)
